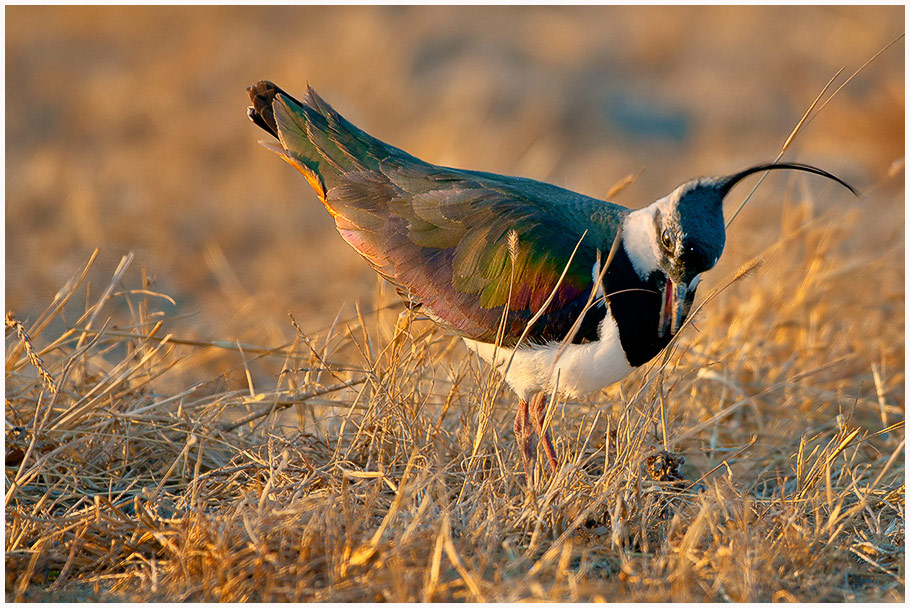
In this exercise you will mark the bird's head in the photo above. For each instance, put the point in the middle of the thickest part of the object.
(681, 235)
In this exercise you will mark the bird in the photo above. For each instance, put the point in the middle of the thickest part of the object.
(561, 292)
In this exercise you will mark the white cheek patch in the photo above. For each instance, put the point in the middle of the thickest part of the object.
(640, 237)
(640, 240)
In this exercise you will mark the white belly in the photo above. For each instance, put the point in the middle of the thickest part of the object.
(580, 370)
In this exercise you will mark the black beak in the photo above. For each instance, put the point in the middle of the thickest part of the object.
(673, 309)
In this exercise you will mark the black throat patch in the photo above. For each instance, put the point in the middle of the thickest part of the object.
(635, 306)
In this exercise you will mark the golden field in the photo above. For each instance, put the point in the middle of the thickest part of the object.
(217, 405)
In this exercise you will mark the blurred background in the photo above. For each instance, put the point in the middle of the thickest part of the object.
(126, 131)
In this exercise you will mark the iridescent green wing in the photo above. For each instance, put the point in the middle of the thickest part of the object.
(442, 235)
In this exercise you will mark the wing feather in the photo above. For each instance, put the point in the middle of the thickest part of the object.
(441, 235)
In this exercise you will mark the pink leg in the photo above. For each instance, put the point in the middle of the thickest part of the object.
(523, 435)
(538, 413)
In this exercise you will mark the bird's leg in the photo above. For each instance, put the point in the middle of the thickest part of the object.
(538, 413)
(523, 434)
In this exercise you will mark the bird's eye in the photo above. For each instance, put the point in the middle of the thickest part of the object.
(666, 239)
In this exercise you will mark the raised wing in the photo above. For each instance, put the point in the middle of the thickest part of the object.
(442, 235)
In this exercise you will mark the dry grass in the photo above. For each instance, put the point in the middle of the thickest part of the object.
(791, 429)
(154, 454)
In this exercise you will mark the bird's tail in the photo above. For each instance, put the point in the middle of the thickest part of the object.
(313, 137)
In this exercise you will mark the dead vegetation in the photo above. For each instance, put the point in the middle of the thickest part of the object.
(784, 477)
(171, 435)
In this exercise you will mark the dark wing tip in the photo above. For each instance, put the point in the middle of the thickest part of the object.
(262, 95)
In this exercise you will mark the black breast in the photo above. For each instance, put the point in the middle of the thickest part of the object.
(635, 305)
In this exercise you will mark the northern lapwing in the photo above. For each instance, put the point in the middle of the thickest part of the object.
(609, 286)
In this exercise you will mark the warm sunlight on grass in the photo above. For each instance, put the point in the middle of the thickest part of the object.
(223, 404)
